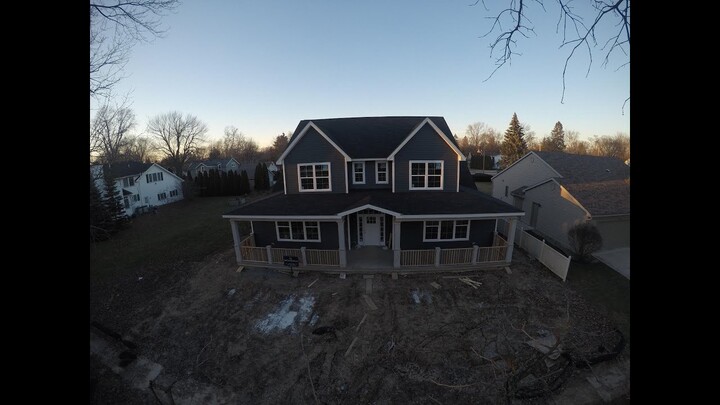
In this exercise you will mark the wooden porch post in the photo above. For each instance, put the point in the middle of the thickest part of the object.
(510, 239)
(396, 242)
(341, 242)
(236, 240)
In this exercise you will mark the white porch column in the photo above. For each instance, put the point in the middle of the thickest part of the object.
(396, 243)
(236, 240)
(341, 242)
(510, 239)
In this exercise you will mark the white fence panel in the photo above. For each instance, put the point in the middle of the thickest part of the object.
(557, 262)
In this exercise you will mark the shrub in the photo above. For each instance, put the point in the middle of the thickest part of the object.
(585, 239)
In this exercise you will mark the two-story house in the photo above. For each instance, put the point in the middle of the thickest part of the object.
(142, 185)
(388, 183)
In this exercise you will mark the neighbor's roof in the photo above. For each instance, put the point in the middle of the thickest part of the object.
(371, 137)
(601, 184)
(467, 201)
(123, 169)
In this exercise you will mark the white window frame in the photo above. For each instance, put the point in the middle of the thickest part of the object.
(377, 178)
(410, 175)
(439, 227)
(305, 226)
(361, 165)
(314, 178)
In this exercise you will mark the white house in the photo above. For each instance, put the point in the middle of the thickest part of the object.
(558, 190)
(142, 185)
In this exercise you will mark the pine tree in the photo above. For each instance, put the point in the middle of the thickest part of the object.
(513, 146)
(113, 205)
(556, 141)
(266, 177)
(100, 224)
(244, 183)
(261, 177)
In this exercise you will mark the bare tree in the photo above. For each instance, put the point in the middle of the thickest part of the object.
(612, 146)
(530, 137)
(474, 133)
(138, 148)
(512, 23)
(574, 144)
(237, 145)
(109, 130)
(177, 137)
(115, 26)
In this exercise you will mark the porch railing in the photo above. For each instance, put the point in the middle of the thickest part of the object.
(255, 254)
(458, 256)
(425, 257)
(319, 257)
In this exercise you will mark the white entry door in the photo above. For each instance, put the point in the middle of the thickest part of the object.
(371, 229)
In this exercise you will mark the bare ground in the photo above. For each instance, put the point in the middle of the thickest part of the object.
(422, 345)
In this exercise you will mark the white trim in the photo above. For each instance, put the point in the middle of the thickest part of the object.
(360, 218)
(393, 176)
(163, 169)
(252, 228)
(301, 134)
(460, 216)
(439, 226)
(410, 175)
(277, 232)
(314, 177)
(284, 217)
(284, 181)
(347, 186)
(518, 161)
(362, 165)
(377, 163)
(457, 190)
(367, 159)
(372, 207)
(439, 132)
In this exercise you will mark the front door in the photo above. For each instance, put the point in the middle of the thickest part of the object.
(371, 229)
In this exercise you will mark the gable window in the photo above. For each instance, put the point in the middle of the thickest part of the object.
(446, 230)
(174, 193)
(381, 175)
(153, 177)
(358, 172)
(128, 181)
(298, 231)
(314, 176)
(162, 196)
(426, 174)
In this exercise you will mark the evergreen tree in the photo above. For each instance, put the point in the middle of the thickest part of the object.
(261, 177)
(244, 183)
(224, 189)
(100, 224)
(513, 146)
(113, 205)
(266, 177)
(556, 141)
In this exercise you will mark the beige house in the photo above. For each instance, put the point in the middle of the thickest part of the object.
(558, 190)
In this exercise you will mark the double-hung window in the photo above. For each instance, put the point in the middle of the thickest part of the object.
(426, 174)
(446, 230)
(358, 172)
(381, 172)
(314, 177)
(298, 231)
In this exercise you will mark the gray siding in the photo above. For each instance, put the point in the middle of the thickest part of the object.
(265, 234)
(369, 177)
(481, 234)
(313, 148)
(426, 145)
(557, 214)
(526, 172)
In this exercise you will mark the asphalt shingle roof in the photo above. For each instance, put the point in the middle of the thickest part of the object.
(123, 169)
(467, 201)
(371, 137)
(601, 184)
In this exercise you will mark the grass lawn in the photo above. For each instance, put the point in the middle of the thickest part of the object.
(604, 287)
(187, 230)
(484, 186)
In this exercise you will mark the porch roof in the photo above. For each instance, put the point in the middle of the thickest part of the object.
(467, 202)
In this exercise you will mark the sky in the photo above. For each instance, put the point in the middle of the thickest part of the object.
(262, 66)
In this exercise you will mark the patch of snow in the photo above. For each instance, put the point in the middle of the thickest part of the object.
(418, 296)
(290, 313)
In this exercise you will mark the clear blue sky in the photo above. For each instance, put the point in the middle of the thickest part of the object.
(263, 66)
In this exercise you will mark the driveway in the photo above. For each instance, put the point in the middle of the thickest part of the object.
(618, 259)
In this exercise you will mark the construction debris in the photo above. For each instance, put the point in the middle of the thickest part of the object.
(472, 283)
(311, 284)
(370, 302)
(357, 328)
(436, 285)
(239, 269)
(507, 270)
(351, 346)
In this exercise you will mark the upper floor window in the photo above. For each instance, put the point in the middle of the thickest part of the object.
(298, 231)
(314, 176)
(381, 172)
(446, 230)
(174, 193)
(358, 172)
(153, 177)
(128, 181)
(426, 174)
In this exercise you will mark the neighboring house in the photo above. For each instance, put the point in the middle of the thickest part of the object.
(397, 183)
(141, 185)
(231, 164)
(558, 190)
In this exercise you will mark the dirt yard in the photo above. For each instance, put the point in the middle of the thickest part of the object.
(204, 333)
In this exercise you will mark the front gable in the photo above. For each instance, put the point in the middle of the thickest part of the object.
(313, 147)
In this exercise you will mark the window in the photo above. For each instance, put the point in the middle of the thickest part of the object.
(153, 177)
(314, 176)
(381, 172)
(358, 172)
(128, 181)
(127, 202)
(135, 197)
(308, 231)
(426, 175)
(162, 196)
(174, 193)
(506, 191)
(446, 230)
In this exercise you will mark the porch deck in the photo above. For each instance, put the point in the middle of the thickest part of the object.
(369, 257)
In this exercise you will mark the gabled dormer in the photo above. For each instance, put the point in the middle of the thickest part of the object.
(402, 154)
